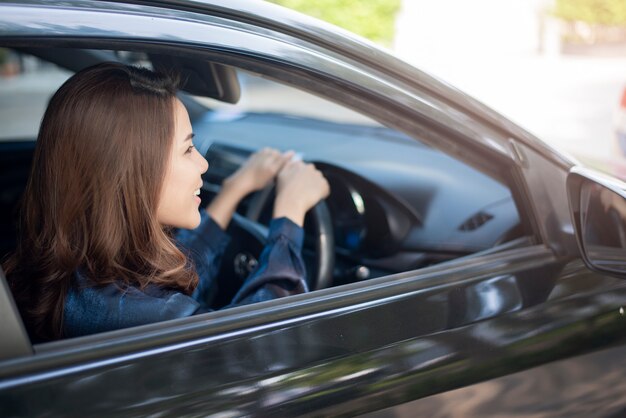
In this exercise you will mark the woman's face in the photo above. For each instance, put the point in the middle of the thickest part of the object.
(179, 200)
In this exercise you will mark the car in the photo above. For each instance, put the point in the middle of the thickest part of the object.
(459, 267)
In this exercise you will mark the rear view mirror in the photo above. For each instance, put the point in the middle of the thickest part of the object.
(598, 209)
(200, 77)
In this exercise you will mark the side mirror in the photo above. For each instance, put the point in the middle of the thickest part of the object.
(598, 210)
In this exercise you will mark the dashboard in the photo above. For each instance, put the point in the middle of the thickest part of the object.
(395, 203)
(367, 220)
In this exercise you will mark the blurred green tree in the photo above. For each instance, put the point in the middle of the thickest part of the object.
(373, 19)
(602, 12)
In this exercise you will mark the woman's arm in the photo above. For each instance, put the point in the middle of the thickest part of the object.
(299, 187)
(281, 270)
(256, 173)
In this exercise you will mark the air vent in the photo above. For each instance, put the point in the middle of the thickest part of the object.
(475, 221)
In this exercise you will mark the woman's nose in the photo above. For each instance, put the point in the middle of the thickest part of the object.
(204, 164)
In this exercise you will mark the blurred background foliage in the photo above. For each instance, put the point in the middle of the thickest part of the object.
(373, 19)
(602, 12)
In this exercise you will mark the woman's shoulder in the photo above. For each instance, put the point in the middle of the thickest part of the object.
(91, 308)
(82, 283)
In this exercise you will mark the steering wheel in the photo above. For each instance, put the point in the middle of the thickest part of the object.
(249, 236)
(322, 227)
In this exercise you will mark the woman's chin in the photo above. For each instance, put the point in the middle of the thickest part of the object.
(191, 222)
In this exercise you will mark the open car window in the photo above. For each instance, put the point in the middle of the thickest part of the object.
(396, 204)
(263, 95)
(26, 85)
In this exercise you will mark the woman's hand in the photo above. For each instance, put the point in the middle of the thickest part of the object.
(258, 171)
(299, 187)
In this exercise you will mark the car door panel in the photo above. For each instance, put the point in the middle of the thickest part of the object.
(590, 385)
(358, 357)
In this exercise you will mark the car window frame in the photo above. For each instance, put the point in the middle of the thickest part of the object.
(196, 331)
(306, 79)
(186, 329)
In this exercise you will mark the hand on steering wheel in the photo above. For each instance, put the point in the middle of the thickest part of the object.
(300, 187)
(260, 169)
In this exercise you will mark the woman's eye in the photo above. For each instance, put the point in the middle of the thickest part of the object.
(189, 149)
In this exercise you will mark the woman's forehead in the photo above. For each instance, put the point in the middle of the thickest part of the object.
(181, 121)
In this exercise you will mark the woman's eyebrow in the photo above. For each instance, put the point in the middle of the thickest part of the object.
(189, 137)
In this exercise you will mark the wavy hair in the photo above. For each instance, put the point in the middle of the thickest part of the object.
(91, 199)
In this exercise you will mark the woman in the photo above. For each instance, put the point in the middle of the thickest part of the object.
(114, 171)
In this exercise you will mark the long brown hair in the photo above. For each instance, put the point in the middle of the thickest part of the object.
(90, 202)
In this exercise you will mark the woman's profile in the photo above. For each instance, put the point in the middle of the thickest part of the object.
(114, 174)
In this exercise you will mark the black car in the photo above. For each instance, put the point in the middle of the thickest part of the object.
(460, 266)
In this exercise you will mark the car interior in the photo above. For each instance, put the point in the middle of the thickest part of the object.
(396, 203)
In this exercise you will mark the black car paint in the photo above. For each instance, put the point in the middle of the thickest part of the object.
(363, 346)
(387, 348)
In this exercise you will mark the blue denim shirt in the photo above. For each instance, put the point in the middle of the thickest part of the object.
(90, 309)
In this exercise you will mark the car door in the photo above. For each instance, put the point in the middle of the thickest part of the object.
(354, 348)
